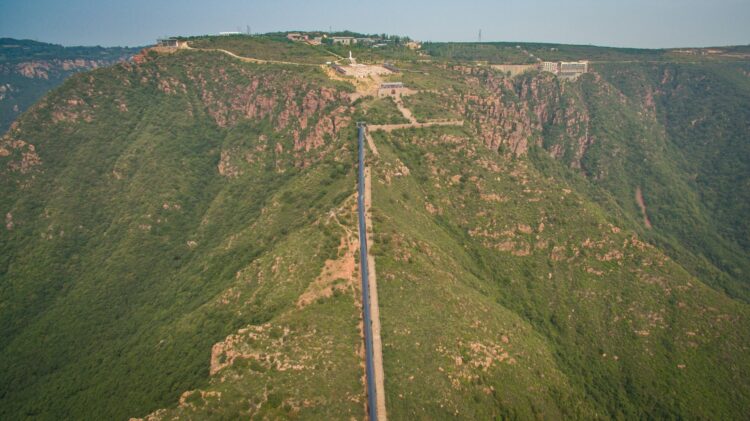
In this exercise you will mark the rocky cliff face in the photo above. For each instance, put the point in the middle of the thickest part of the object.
(511, 114)
(300, 114)
(561, 113)
(46, 69)
(660, 130)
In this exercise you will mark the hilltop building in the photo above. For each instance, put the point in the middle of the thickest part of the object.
(359, 70)
(170, 43)
(550, 66)
(574, 67)
(340, 70)
(294, 36)
(306, 38)
(565, 69)
(393, 89)
(344, 40)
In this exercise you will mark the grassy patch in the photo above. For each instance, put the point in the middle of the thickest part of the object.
(430, 106)
(379, 111)
(265, 47)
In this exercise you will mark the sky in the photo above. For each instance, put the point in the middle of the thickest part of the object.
(620, 23)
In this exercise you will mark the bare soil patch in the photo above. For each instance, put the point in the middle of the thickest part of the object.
(642, 205)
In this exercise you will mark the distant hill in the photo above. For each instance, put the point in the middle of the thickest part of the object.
(523, 52)
(28, 69)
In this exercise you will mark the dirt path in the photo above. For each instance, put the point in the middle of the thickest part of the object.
(250, 59)
(392, 127)
(405, 111)
(374, 149)
(413, 123)
(343, 267)
(377, 344)
(642, 205)
(365, 86)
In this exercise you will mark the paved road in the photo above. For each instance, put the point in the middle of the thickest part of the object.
(364, 271)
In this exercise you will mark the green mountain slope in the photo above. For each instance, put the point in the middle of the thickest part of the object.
(704, 121)
(506, 293)
(180, 239)
(674, 136)
(135, 212)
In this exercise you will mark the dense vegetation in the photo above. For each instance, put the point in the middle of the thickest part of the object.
(430, 106)
(705, 117)
(18, 50)
(679, 134)
(490, 52)
(504, 280)
(530, 52)
(126, 240)
(180, 233)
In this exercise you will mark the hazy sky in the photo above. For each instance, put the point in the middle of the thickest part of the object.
(634, 23)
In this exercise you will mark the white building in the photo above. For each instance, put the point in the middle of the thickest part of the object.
(294, 36)
(344, 40)
(565, 69)
(392, 89)
(170, 43)
(550, 66)
(574, 66)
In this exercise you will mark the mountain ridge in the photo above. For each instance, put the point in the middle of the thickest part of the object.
(28, 69)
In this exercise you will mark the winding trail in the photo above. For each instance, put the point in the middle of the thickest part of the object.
(250, 59)
(374, 149)
(413, 123)
(405, 111)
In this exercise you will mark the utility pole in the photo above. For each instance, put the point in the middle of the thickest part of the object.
(480, 34)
